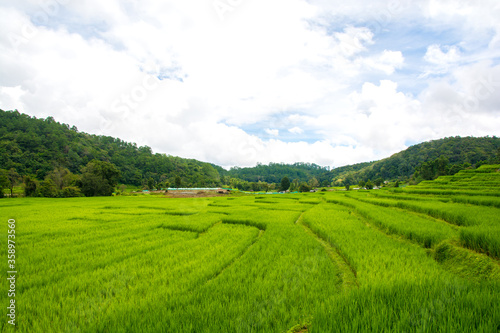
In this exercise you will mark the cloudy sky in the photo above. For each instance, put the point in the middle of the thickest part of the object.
(236, 82)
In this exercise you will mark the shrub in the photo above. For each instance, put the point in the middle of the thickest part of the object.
(71, 192)
(304, 188)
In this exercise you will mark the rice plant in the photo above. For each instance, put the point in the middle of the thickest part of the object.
(384, 261)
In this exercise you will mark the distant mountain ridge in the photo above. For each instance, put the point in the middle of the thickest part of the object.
(274, 172)
(401, 166)
(36, 146)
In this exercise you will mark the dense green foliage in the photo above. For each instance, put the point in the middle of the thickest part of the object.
(433, 158)
(285, 184)
(419, 259)
(274, 172)
(348, 169)
(37, 146)
(99, 178)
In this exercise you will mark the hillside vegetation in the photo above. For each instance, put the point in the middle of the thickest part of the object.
(274, 172)
(37, 146)
(40, 147)
(436, 158)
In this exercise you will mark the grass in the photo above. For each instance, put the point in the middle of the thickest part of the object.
(479, 224)
(400, 284)
(318, 262)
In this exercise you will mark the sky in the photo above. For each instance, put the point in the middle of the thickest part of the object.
(241, 82)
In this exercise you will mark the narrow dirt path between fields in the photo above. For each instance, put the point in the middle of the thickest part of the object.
(348, 273)
(238, 257)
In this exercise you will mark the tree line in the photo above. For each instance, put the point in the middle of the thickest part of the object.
(98, 178)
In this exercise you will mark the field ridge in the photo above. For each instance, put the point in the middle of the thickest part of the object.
(348, 273)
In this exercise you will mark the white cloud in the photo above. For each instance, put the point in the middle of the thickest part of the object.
(295, 66)
(435, 55)
(354, 40)
(273, 132)
(386, 62)
(296, 130)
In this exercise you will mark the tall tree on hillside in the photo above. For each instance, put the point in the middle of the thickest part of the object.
(151, 183)
(294, 186)
(99, 178)
(178, 181)
(304, 187)
(47, 188)
(348, 181)
(378, 181)
(30, 186)
(313, 182)
(13, 177)
(62, 177)
(4, 181)
(285, 184)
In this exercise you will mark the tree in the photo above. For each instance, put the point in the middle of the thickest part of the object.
(285, 184)
(313, 182)
(71, 192)
(348, 181)
(369, 185)
(442, 166)
(99, 178)
(13, 177)
(62, 177)
(30, 186)
(4, 181)
(151, 183)
(47, 189)
(455, 168)
(361, 183)
(294, 186)
(304, 188)
(378, 181)
(178, 181)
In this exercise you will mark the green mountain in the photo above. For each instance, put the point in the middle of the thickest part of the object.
(455, 153)
(274, 172)
(430, 159)
(37, 146)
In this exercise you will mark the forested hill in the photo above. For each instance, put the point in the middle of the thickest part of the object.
(274, 172)
(36, 146)
(428, 159)
(454, 154)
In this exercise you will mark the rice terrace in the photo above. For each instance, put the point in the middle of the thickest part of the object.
(250, 166)
(420, 259)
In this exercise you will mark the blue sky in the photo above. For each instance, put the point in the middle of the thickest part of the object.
(241, 82)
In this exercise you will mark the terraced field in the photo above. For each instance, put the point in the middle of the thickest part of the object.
(422, 259)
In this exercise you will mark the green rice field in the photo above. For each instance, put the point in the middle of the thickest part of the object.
(421, 259)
